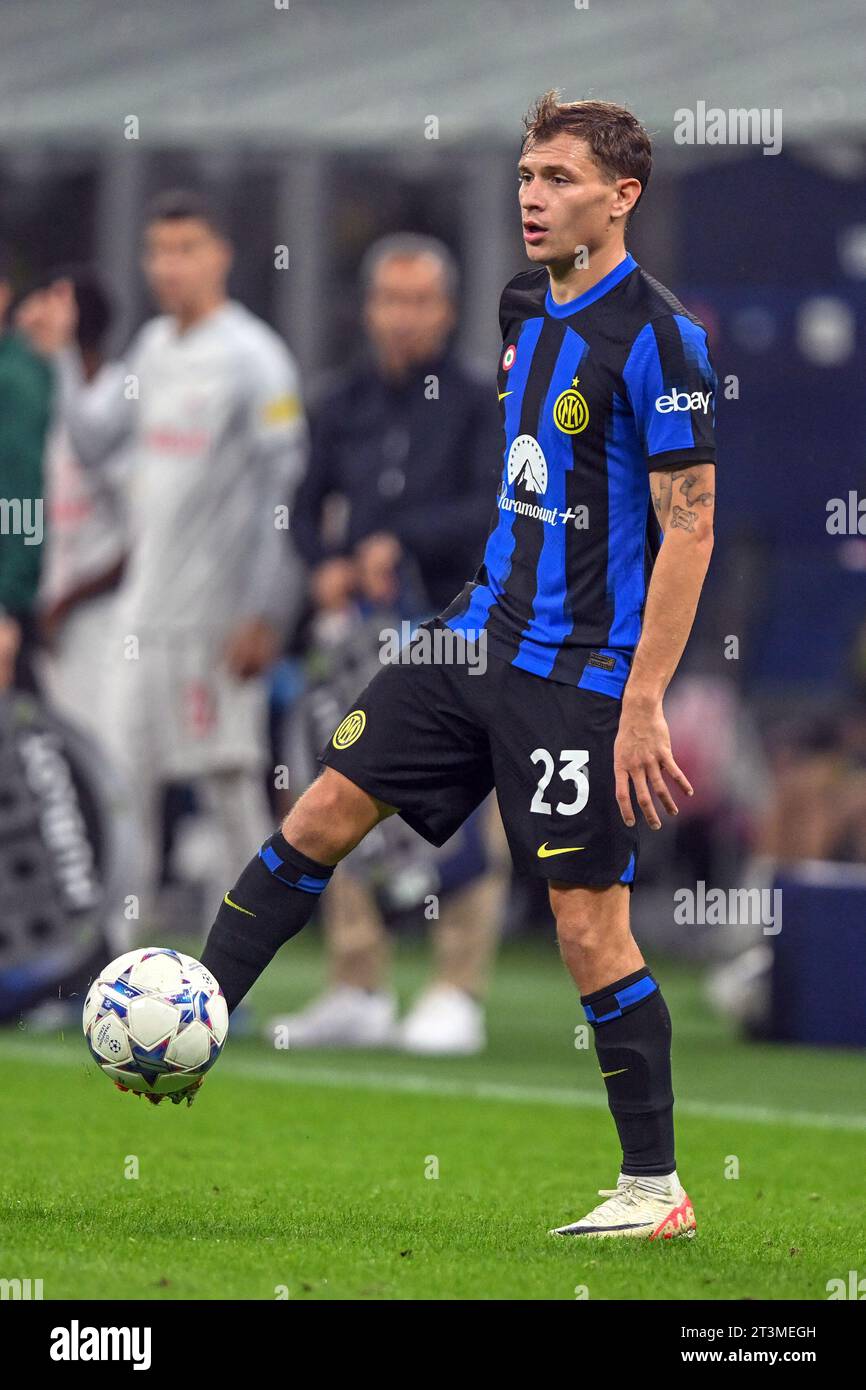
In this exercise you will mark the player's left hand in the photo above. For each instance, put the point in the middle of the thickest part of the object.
(642, 754)
(251, 648)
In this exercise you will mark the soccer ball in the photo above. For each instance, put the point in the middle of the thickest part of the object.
(155, 1021)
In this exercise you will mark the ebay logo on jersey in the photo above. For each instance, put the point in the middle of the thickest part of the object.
(682, 400)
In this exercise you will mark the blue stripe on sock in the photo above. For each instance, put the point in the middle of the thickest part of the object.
(312, 885)
(632, 994)
(307, 883)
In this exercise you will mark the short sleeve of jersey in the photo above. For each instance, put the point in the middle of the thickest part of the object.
(277, 417)
(671, 386)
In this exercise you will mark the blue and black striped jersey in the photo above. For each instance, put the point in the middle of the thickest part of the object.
(595, 394)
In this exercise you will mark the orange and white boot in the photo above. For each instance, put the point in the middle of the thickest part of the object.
(657, 1212)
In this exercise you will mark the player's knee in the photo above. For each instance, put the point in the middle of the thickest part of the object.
(578, 930)
(590, 920)
(331, 817)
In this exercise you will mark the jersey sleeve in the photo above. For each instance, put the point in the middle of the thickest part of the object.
(276, 422)
(671, 387)
(276, 459)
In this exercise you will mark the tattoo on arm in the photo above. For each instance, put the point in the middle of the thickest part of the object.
(683, 520)
(678, 496)
(693, 487)
(662, 496)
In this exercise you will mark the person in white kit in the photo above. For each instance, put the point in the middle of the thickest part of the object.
(210, 408)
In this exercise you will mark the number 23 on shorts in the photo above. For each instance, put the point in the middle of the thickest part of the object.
(574, 767)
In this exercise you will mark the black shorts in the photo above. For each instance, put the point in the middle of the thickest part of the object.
(432, 740)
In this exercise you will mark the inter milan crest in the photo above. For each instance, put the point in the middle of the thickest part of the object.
(570, 410)
(350, 730)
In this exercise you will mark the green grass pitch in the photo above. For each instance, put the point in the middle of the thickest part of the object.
(310, 1176)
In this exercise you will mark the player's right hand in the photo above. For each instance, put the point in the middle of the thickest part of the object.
(642, 758)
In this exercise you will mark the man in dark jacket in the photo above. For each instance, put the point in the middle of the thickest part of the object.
(405, 444)
(405, 453)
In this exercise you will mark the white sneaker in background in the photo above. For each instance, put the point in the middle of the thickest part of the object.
(444, 1022)
(54, 1015)
(342, 1017)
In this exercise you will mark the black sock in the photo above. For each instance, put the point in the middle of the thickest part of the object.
(633, 1043)
(271, 902)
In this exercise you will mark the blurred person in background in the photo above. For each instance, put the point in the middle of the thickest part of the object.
(818, 789)
(210, 410)
(405, 442)
(25, 403)
(817, 803)
(84, 507)
(392, 513)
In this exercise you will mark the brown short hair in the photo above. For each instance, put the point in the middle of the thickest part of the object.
(618, 141)
(182, 204)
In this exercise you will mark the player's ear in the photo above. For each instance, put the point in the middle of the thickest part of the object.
(627, 193)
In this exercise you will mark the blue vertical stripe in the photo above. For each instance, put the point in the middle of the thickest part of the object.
(500, 543)
(550, 622)
(607, 682)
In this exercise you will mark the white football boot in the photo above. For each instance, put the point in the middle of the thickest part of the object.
(631, 1210)
(444, 1022)
(344, 1016)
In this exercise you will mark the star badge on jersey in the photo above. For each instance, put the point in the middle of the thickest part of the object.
(570, 410)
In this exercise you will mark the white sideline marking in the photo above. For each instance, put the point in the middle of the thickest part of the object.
(418, 1084)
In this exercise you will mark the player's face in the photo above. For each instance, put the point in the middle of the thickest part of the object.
(186, 264)
(566, 200)
(408, 313)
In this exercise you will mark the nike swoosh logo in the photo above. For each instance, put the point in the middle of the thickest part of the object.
(503, 394)
(545, 853)
(615, 1073)
(245, 910)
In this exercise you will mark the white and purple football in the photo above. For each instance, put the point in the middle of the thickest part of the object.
(155, 1021)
